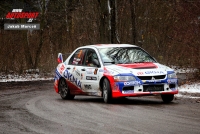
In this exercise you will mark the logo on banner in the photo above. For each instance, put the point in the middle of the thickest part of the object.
(19, 14)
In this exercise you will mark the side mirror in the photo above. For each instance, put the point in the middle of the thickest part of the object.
(60, 58)
(96, 62)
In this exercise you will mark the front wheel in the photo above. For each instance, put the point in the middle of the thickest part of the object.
(107, 93)
(167, 98)
(64, 90)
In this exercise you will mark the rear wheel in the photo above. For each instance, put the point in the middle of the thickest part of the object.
(167, 98)
(107, 93)
(64, 90)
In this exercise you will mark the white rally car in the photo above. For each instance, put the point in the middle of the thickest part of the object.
(113, 71)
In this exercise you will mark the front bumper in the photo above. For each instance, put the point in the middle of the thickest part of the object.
(122, 89)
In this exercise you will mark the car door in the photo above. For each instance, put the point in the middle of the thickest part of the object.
(89, 72)
(74, 68)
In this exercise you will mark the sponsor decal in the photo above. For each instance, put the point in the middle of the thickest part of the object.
(129, 83)
(154, 88)
(89, 71)
(71, 78)
(61, 69)
(154, 81)
(140, 73)
(128, 92)
(101, 70)
(95, 71)
(87, 86)
(77, 72)
(154, 72)
(57, 76)
(91, 78)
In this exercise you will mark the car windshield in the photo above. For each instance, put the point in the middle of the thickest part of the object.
(124, 55)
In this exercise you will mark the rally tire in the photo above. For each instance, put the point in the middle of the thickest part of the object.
(107, 93)
(167, 98)
(64, 90)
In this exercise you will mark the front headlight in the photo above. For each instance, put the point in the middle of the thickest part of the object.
(124, 78)
(172, 76)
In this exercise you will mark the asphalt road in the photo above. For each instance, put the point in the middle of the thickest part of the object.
(34, 107)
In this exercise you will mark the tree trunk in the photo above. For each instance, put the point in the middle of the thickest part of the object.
(113, 5)
(104, 21)
(28, 57)
(42, 24)
(133, 19)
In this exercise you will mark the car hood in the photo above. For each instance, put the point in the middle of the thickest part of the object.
(139, 69)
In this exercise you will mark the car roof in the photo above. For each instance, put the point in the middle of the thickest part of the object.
(108, 45)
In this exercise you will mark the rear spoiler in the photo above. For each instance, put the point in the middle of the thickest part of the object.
(60, 57)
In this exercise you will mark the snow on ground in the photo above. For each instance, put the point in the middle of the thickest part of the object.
(26, 77)
(191, 90)
(184, 70)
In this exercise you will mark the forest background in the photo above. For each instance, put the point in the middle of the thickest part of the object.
(168, 29)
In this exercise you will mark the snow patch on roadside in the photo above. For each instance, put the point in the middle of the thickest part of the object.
(184, 70)
(186, 96)
(26, 77)
(190, 88)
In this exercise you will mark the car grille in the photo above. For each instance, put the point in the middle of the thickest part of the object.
(128, 88)
(150, 77)
(150, 88)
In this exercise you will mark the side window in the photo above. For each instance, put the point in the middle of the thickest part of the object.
(77, 58)
(89, 58)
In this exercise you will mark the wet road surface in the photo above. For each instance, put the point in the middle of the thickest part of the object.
(34, 107)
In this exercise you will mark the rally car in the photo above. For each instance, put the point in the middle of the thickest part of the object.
(113, 71)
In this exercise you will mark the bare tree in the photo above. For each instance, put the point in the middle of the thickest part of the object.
(133, 5)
